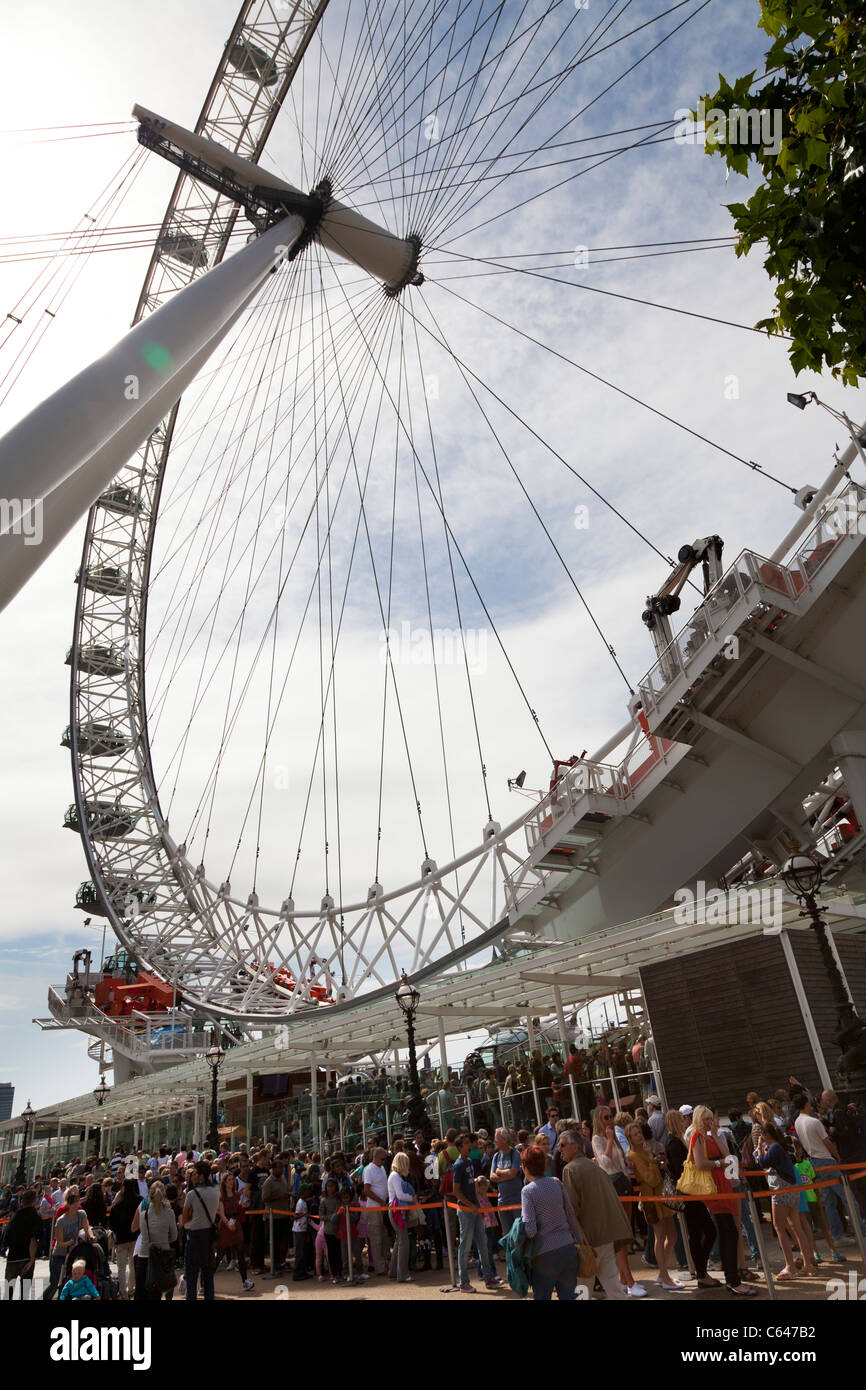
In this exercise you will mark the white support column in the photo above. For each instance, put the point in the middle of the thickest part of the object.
(563, 1038)
(60, 457)
(443, 1051)
(249, 1114)
(314, 1097)
(806, 1012)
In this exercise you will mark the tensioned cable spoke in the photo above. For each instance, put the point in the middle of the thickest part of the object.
(556, 550)
(616, 294)
(465, 564)
(756, 467)
(188, 645)
(235, 715)
(628, 71)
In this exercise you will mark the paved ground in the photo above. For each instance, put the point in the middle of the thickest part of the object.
(434, 1284)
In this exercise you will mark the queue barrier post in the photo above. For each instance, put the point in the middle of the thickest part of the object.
(759, 1237)
(537, 1102)
(273, 1245)
(449, 1237)
(613, 1087)
(684, 1237)
(575, 1105)
(350, 1273)
(501, 1107)
(854, 1215)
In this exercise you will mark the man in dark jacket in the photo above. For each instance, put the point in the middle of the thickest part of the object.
(22, 1239)
(276, 1193)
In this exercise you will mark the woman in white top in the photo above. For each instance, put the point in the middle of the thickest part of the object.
(156, 1224)
(611, 1159)
(607, 1150)
(401, 1192)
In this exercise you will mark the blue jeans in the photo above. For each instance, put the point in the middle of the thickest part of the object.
(472, 1231)
(748, 1228)
(492, 1233)
(557, 1269)
(833, 1199)
(198, 1259)
(507, 1219)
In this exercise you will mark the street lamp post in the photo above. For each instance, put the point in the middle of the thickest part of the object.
(802, 876)
(409, 999)
(100, 1093)
(214, 1057)
(20, 1176)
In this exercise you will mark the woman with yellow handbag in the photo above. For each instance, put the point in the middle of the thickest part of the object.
(699, 1224)
(705, 1165)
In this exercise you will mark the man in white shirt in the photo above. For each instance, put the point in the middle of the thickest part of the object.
(656, 1118)
(376, 1195)
(823, 1153)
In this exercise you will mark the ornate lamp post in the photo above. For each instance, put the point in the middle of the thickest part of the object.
(408, 998)
(99, 1094)
(20, 1175)
(214, 1057)
(802, 876)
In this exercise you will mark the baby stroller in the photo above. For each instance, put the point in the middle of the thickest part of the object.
(98, 1270)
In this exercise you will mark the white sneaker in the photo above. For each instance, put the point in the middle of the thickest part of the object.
(181, 1285)
(248, 1284)
(637, 1291)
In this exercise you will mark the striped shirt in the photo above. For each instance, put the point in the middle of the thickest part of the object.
(546, 1210)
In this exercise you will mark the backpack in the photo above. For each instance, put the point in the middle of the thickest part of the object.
(446, 1187)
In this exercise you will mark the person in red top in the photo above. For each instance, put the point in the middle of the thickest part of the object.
(709, 1151)
(574, 1064)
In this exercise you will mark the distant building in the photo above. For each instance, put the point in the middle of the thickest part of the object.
(7, 1095)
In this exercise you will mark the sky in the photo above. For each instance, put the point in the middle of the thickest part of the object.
(721, 381)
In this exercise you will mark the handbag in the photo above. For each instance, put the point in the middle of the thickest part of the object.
(160, 1275)
(669, 1189)
(587, 1260)
(694, 1181)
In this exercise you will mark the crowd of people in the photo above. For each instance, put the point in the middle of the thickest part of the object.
(545, 1202)
(481, 1093)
